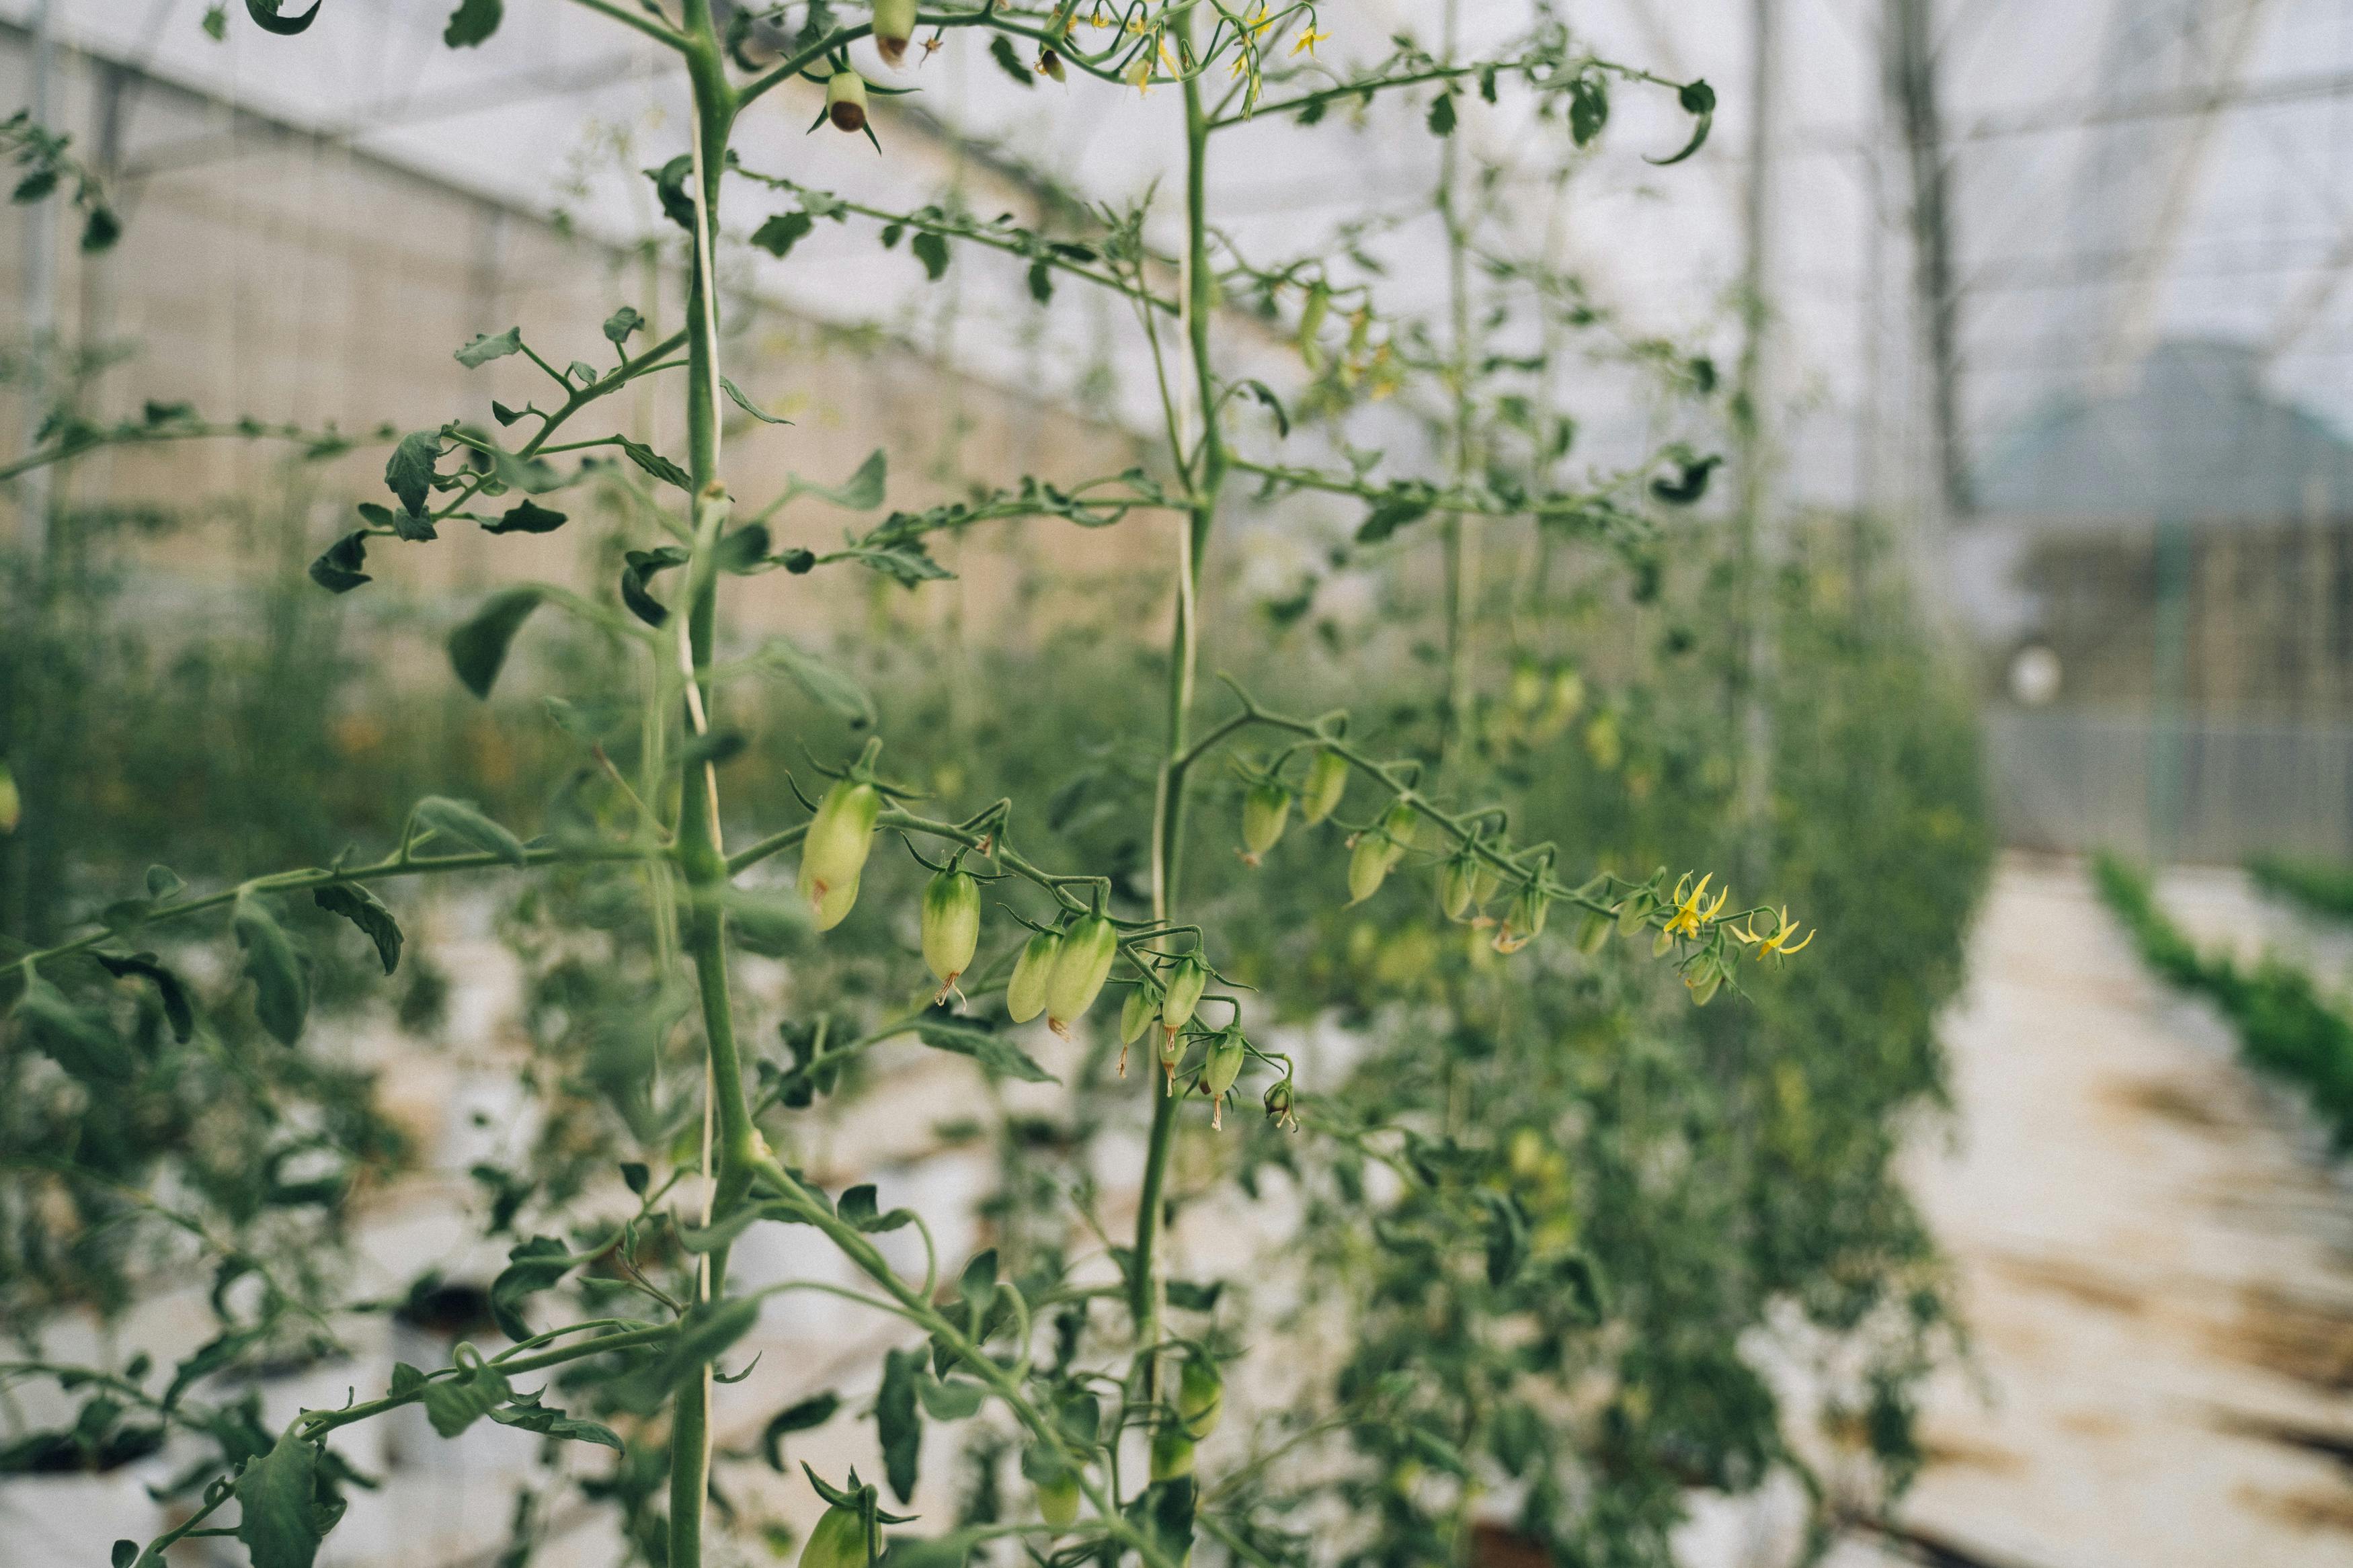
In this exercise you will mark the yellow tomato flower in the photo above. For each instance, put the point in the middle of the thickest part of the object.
(1776, 942)
(1308, 40)
(1688, 916)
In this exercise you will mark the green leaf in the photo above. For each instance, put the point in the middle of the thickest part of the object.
(485, 348)
(669, 186)
(1390, 514)
(862, 491)
(909, 565)
(177, 1010)
(1000, 49)
(530, 1415)
(946, 1401)
(471, 22)
(1265, 395)
(477, 647)
(813, 1412)
(282, 985)
(1698, 99)
(526, 517)
(825, 683)
(163, 883)
(781, 233)
(1588, 109)
(79, 1043)
(978, 1283)
(1689, 486)
(408, 472)
(215, 22)
(745, 550)
(460, 820)
(1442, 115)
(771, 924)
(704, 1336)
(621, 324)
(124, 1554)
(931, 251)
(367, 911)
(454, 1403)
(1042, 283)
(414, 527)
(281, 1515)
(638, 567)
(748, 406)
(532, 1267)
(657, 464)
(266, 17)
(338, 569)
(898, 1421)
(992, 1051)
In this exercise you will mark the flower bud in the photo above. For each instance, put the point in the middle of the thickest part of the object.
(1049, 64)
(1278, 1103)
(838, 1542)
(1201, 1396)
(1327, 781)
(894, 25)
(1186, 983)
(1079, 970)
(1265, 810)
(1172, 1452)
(845, 101)
(1526, 922)
(951, 925)
(1704, 983)
(834, 853)
(1025, 994)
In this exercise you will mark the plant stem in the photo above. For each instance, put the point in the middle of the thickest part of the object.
(1168, 796)
(701, 856)
(1461, 528)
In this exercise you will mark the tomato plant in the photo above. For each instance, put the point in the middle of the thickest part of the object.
(644, 887)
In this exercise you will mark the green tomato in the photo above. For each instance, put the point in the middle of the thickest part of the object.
(1172, 1452)
(1265, 811)
(895, 25)
(840, 837)
(1079, 970)
(951, 925)
(1201, 1396)
(1327, 781)
(1225, 1064)
(1186, 983)
(1025, 994)
(1135, 1012)
(838, 1542)
(845, 101)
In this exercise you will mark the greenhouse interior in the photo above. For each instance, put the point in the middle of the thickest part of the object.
(1607, 747)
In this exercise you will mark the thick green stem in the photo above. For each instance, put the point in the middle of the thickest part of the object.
(1168, 798)
(701, 856)
(1462, 528)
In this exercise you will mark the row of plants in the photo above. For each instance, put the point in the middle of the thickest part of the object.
(2322, 888)
(2288, 1024)
(1546, 1203)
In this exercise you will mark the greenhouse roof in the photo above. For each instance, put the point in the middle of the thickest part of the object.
(2196, 439)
